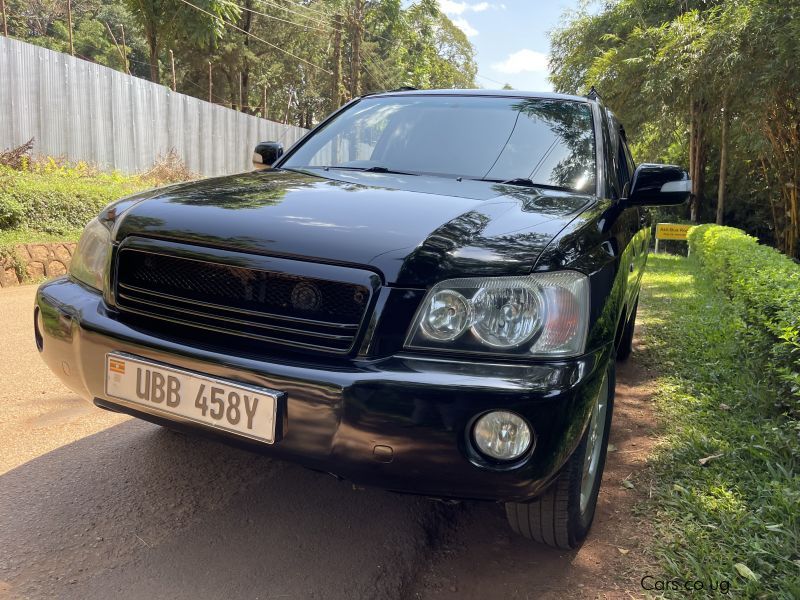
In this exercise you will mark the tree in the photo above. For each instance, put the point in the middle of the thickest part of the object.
(709, 83)
(201, 21)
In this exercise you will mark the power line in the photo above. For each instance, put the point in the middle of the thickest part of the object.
(255, 12)
(308, 8)
(490, 79)
(305, 16)
(263, 41)
(316, 20)
(383, 76)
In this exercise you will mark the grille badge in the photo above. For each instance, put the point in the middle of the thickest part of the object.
(306, 296)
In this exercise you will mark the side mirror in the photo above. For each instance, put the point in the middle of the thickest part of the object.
(266, 153)
(659, 185)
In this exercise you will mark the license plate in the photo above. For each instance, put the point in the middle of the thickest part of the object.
(246, 410)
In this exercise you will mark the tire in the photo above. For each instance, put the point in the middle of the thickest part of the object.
(626, 342)
(558, 518)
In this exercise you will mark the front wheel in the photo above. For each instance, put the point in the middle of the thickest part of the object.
(562, 515)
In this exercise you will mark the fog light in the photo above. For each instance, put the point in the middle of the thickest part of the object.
(502, 435)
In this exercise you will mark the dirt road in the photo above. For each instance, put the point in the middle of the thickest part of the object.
(97, 505)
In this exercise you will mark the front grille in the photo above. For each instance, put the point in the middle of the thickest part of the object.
(269, 307)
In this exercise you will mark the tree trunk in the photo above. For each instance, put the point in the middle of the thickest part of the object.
(355, 63)
(793, 229)
(152, 43)
(698, 157)
(336, 83)
(723, 163)
(247, 24)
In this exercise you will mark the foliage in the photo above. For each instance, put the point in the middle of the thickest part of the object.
(288, 60)
(725, 485)
(702, 83)
(15, 158)
(169, 168)
(764, 285)
(50, 199)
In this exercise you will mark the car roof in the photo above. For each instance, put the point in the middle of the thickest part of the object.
(482, 92)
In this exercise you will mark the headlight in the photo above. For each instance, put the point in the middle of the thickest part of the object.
(90, 261)
(544, 314)
(448, 316)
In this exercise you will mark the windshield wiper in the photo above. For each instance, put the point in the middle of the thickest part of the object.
(375, 169)
(525, 182)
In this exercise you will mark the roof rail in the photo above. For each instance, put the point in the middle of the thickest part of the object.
(404, 88)
(593, 95)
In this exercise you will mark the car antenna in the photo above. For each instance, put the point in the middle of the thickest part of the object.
(593, 95)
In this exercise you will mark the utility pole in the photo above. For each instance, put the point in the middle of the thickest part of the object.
(69, 20)
(172, 60)
(116, 45)
(5, 23)
(210, 82)
(264, 113)
(241, 99)
(125, 49)
(288, 106)
(336, 85)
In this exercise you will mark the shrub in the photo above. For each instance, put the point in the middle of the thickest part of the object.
(18, 157)
(765, 286)
(169, 168)
(58, 199)
(11, 212)
(43, 197)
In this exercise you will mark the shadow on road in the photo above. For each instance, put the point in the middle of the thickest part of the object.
(484, 559)
(139, 512)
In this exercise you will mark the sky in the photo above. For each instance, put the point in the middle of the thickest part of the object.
(510, 37)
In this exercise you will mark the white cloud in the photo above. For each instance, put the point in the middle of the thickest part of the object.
(523, 61)
(455, 10)
(451, 7)
(465, 26)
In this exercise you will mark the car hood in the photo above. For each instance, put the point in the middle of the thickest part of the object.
(413, 230)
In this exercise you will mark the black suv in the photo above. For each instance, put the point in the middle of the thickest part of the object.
(426, 293)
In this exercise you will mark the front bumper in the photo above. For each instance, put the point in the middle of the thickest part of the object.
(337, 415)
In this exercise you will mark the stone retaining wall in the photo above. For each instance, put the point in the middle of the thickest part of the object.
(34, 262)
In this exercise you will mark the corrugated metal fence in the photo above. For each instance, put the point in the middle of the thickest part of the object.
(84, 111)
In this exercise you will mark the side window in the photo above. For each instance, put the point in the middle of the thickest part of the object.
(623, 169)
(610, 152)
(626, 159)
(622, 172)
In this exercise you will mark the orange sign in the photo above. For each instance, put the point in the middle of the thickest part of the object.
(671, 231)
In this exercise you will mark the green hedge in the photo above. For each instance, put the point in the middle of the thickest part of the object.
(765, 285)
(55, 199)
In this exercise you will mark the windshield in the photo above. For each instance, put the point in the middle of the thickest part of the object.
(548, 142)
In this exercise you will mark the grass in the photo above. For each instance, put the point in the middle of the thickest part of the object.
(737, 518)
(33, 236)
